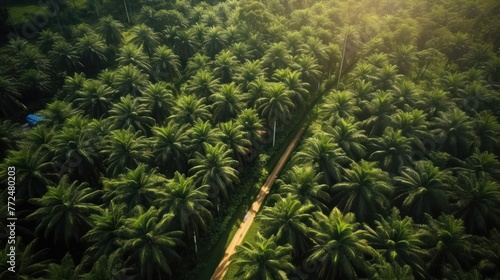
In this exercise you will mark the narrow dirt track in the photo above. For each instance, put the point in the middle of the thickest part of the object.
(249, 217)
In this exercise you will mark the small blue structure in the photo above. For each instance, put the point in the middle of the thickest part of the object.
(33, 119)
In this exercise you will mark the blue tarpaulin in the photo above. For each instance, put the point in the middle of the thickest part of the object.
(33, 119)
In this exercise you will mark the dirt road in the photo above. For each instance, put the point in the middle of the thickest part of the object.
(249, 217)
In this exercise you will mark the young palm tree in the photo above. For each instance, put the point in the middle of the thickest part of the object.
(216, 169)
(323, 152)
(454, 132)
(263, 260)
(166, 63)
(159, 100)
(137, 186)
(339, 251)
(393, 151)
(187, 203)
(288, 219)
(124, 149)
(203, 84)
(422, 190)
(65, 211)
(303, 183)
(110, 30)
(188, 109)
(131, 113)
(145, 37)
(227, 102)
(105, 234)
(149, 246)
(94, 98)
(477, 203)
(130, 80)
(399, 241)
(365, 191)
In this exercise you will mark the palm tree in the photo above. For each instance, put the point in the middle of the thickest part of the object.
(227, 102)
(158, 99)
(94, 98)
(323, 152)
(449, 245)
(399, 241)
(131, 113)
(365, 191)
(145, 37)
(214, 40)
(405, 94)
(72, 84)
(57, 112)
(148, 246)
(310, 69)
(349, 137)
(10, 95)
(379, 110)
(413, 125)
(433, 102)
(131, 54)
(9, 135)
(166, 63)
(64, 270)
(110, 30)
(237, 141)
(130, 80)
(263, 260)
(241, 51)
(92, 52)
(187, 203)
(47, 39)
(188, 109)
(170, 147)
(35, 84)
(216, 169)
(477, 203)
(225, 64)
(487, 130)
(249, 72)
(287, 219)
(404, 57)
(339, 251)
(483, 164)
(256, 90)
(124, 149)
(454, 132)
(421, 190)
(137, 186)
(339, 104)
(185, 45)
(276, 104)
(277, 57)
(196, 63)
(105, 234)
(31, 262)
(386, 76)
(292, 80)
(251, 126)
(393, 151)
(65, 211)
(201, 134)
(64, 57)
(303, 183)
(203, 84)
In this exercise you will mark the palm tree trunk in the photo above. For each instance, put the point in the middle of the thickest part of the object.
(343, 54)
(274, 132)
(126, 10)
